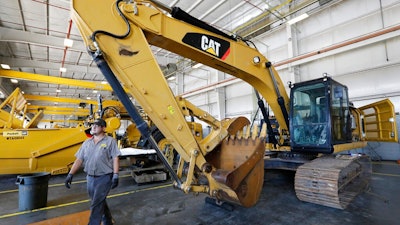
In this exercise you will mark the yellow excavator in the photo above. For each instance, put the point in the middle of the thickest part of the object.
(316, 122)
(24, 148)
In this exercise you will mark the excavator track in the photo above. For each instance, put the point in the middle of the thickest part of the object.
(333, 181)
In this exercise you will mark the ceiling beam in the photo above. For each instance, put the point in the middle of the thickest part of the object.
(54, 80)
(58, 99)
(105, 103)
(61, 121)
(63, 112)
(51, 109)
(19, 36)
(26, 63)
(250, 28)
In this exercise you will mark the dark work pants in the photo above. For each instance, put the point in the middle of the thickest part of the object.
(98, 189)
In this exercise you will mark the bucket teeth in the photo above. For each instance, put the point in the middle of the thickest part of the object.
(263, 132)
(255, 132)
(240, 134)
(247, 134)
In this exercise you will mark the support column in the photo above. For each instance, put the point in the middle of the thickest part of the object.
(221, 104)
(294, 71)
(179, 83)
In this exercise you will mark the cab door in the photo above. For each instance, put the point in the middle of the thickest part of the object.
(379, 121)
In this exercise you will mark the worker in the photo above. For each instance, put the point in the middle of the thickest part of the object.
(99, 157)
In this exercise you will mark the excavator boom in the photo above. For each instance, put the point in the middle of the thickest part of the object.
(119, 42)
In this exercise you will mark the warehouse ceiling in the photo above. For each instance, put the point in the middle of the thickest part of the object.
(32, 35)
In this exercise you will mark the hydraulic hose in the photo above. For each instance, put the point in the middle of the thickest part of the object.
(133, 112)
(261, 106)
(280, 99)
(123, 97)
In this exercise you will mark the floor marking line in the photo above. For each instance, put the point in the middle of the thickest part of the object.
(139, 190)
(56, 185)
(387, 174)
(82, 201)
(386, 163)
(42, 209)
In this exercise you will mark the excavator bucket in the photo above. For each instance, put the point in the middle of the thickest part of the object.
(239, 166)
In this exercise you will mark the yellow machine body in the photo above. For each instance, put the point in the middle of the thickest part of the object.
(13, 112)
(227, 164)
(39, 150)
(239, 181)
(24, 148)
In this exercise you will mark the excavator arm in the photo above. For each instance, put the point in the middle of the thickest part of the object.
(151, 25)
(118, 36)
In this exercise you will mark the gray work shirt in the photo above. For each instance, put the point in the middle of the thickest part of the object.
(98, 158)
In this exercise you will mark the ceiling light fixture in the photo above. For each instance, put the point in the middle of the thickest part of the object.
(14, 81)
(171, 78)
(68, 42)
(5, 66)
(297, 19)
(63, 69)
(58, 90)
(94, 91)
(197, 65)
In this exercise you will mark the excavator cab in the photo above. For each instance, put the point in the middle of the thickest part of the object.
(320, 116)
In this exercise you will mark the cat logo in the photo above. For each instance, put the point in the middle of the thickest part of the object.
(207, 43)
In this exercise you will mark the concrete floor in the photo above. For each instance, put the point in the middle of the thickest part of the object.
(159, 203)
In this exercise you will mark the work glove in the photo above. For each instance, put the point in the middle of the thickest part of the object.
(68, 181)
(114, 182)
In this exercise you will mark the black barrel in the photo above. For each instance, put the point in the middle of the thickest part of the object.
(32, 192)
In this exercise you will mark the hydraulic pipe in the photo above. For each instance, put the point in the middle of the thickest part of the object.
(91, 110)
(100, 105)
(131, 109)
(280, 99)
(261, 106)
